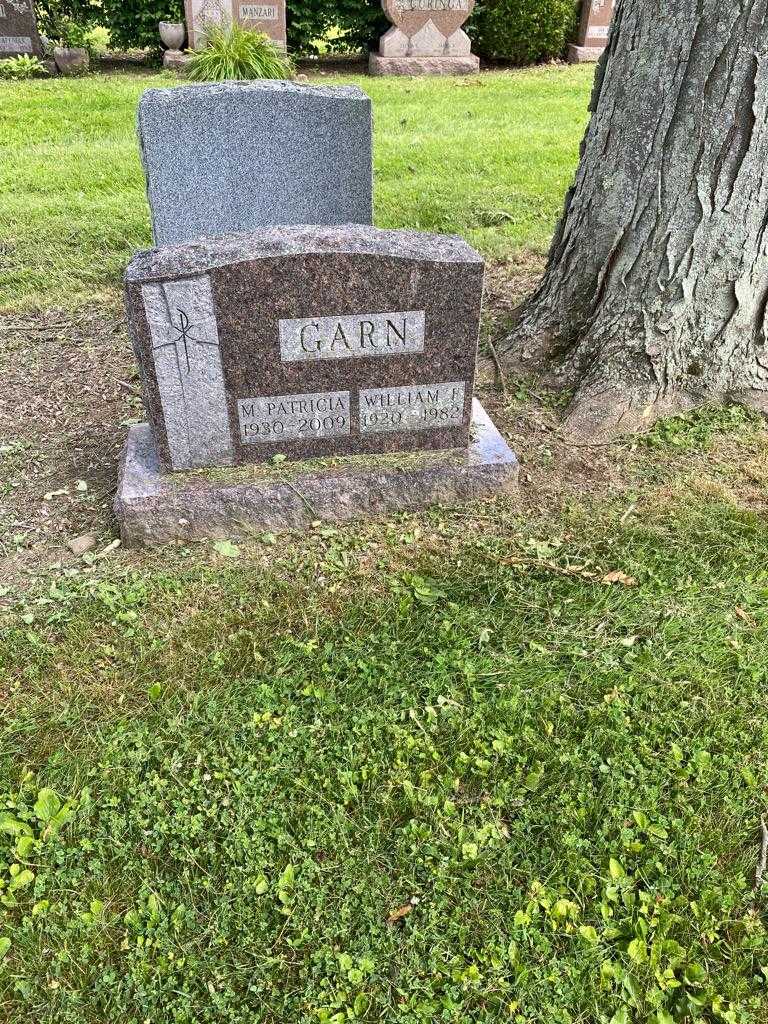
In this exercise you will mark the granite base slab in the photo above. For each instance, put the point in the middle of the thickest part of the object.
(160, 508)
(584, 54)
(464, 65)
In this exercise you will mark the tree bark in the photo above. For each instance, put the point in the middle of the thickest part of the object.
(655, 294)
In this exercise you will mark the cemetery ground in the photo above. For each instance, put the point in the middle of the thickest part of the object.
(499, 762)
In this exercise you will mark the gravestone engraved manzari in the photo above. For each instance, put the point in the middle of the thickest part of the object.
(235, 156)
(268, 18)
(426, 38)
(18, 30)
(305, 343)
(594, 29)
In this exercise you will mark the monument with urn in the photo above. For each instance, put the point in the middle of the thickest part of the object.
(426, 38)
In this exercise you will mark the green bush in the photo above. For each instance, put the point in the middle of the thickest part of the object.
(232, 52)
(60, 19)
(19, 68)
(134, 22)
(354, 25)
(68, 32)
(523, 31)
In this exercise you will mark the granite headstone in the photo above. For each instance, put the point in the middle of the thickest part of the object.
(18, 30)
(426, 38)
(235, 156)
(594, 28)
(306, 342)
(268, 18)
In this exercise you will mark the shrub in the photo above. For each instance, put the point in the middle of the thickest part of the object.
(68, 32)
(19, 68)
(134, 22)
(523, 31)
(72, 23)
(56, 17)
(357, 23)
(232, 52)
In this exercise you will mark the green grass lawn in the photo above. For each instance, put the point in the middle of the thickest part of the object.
(471, 783)
(488, 157)
(499, 763)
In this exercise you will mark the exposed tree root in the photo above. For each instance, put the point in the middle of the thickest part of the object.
(752, 399)
(619, 386)
(608, 413)
(614, 385)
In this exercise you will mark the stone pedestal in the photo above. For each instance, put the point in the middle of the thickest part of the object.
(378, 65)
(176, 60)
(426, 38)
(594, 30)
(160, 508)
(584, 54)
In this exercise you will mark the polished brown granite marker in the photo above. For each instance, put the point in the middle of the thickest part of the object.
(594, 30)
(306, 342)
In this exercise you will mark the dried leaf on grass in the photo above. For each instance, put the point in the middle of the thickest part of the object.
(745, 616)
(400, 913)
(617, 576)
(579, 571)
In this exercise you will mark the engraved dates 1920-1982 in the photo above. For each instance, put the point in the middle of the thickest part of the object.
(421, 407)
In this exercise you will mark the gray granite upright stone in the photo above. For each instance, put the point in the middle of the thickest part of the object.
(235, 156)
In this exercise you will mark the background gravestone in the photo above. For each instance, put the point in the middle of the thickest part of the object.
(306, 342)
(594, 29)
(268, 18)
(426, 38)
(18, 31)
(235, 156)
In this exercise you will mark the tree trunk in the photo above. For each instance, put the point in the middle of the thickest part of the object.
(655, 293)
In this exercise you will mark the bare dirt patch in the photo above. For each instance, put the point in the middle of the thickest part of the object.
(70, 389)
